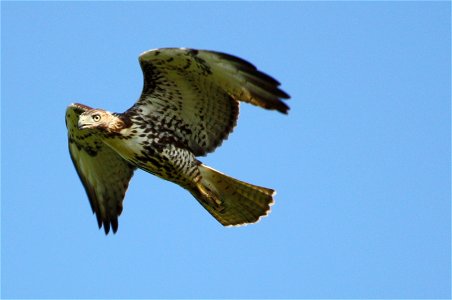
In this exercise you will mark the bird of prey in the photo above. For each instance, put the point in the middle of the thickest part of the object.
(188, 106)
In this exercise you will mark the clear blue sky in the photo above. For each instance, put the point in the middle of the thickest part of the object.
(361, 163)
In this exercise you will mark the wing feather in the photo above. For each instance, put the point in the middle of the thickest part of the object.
(245, 82)
(104, 174)
(198, 92)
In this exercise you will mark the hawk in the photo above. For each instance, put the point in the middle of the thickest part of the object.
(188, 106)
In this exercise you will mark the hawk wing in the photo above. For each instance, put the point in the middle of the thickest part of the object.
(104, 174)
(197, 93)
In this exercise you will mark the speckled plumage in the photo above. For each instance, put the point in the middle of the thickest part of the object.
(189, 105)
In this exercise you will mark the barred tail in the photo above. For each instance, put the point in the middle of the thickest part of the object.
(230, 201)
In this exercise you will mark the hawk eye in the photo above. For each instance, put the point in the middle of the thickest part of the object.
(96, 118)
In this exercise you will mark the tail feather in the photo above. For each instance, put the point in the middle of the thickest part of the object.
(231, 201)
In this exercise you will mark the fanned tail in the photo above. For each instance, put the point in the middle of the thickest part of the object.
(231, 201)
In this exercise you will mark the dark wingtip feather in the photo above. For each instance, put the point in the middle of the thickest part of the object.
(281, 107)
(107, 224)
(285, 109)
(114, 224)
(106, 227)
(283, 94)
(280, 94)
(99, 220)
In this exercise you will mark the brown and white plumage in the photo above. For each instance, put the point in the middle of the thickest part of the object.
(189, 105)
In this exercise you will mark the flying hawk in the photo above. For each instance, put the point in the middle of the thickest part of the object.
(188, 106)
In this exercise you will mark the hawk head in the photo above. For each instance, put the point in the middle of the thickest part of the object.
(101, 120)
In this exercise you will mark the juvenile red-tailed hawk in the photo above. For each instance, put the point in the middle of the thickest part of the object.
(188, 106)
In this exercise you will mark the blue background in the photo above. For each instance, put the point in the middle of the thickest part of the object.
(361, 163)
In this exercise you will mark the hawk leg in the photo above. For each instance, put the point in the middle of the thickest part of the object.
(209, 197)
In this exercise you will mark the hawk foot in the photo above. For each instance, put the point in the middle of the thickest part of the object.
(210, 198)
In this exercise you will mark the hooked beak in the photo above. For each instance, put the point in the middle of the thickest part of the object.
(80, 125)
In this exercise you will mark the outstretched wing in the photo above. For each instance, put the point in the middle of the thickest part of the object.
(196, 93)
(104, 174)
